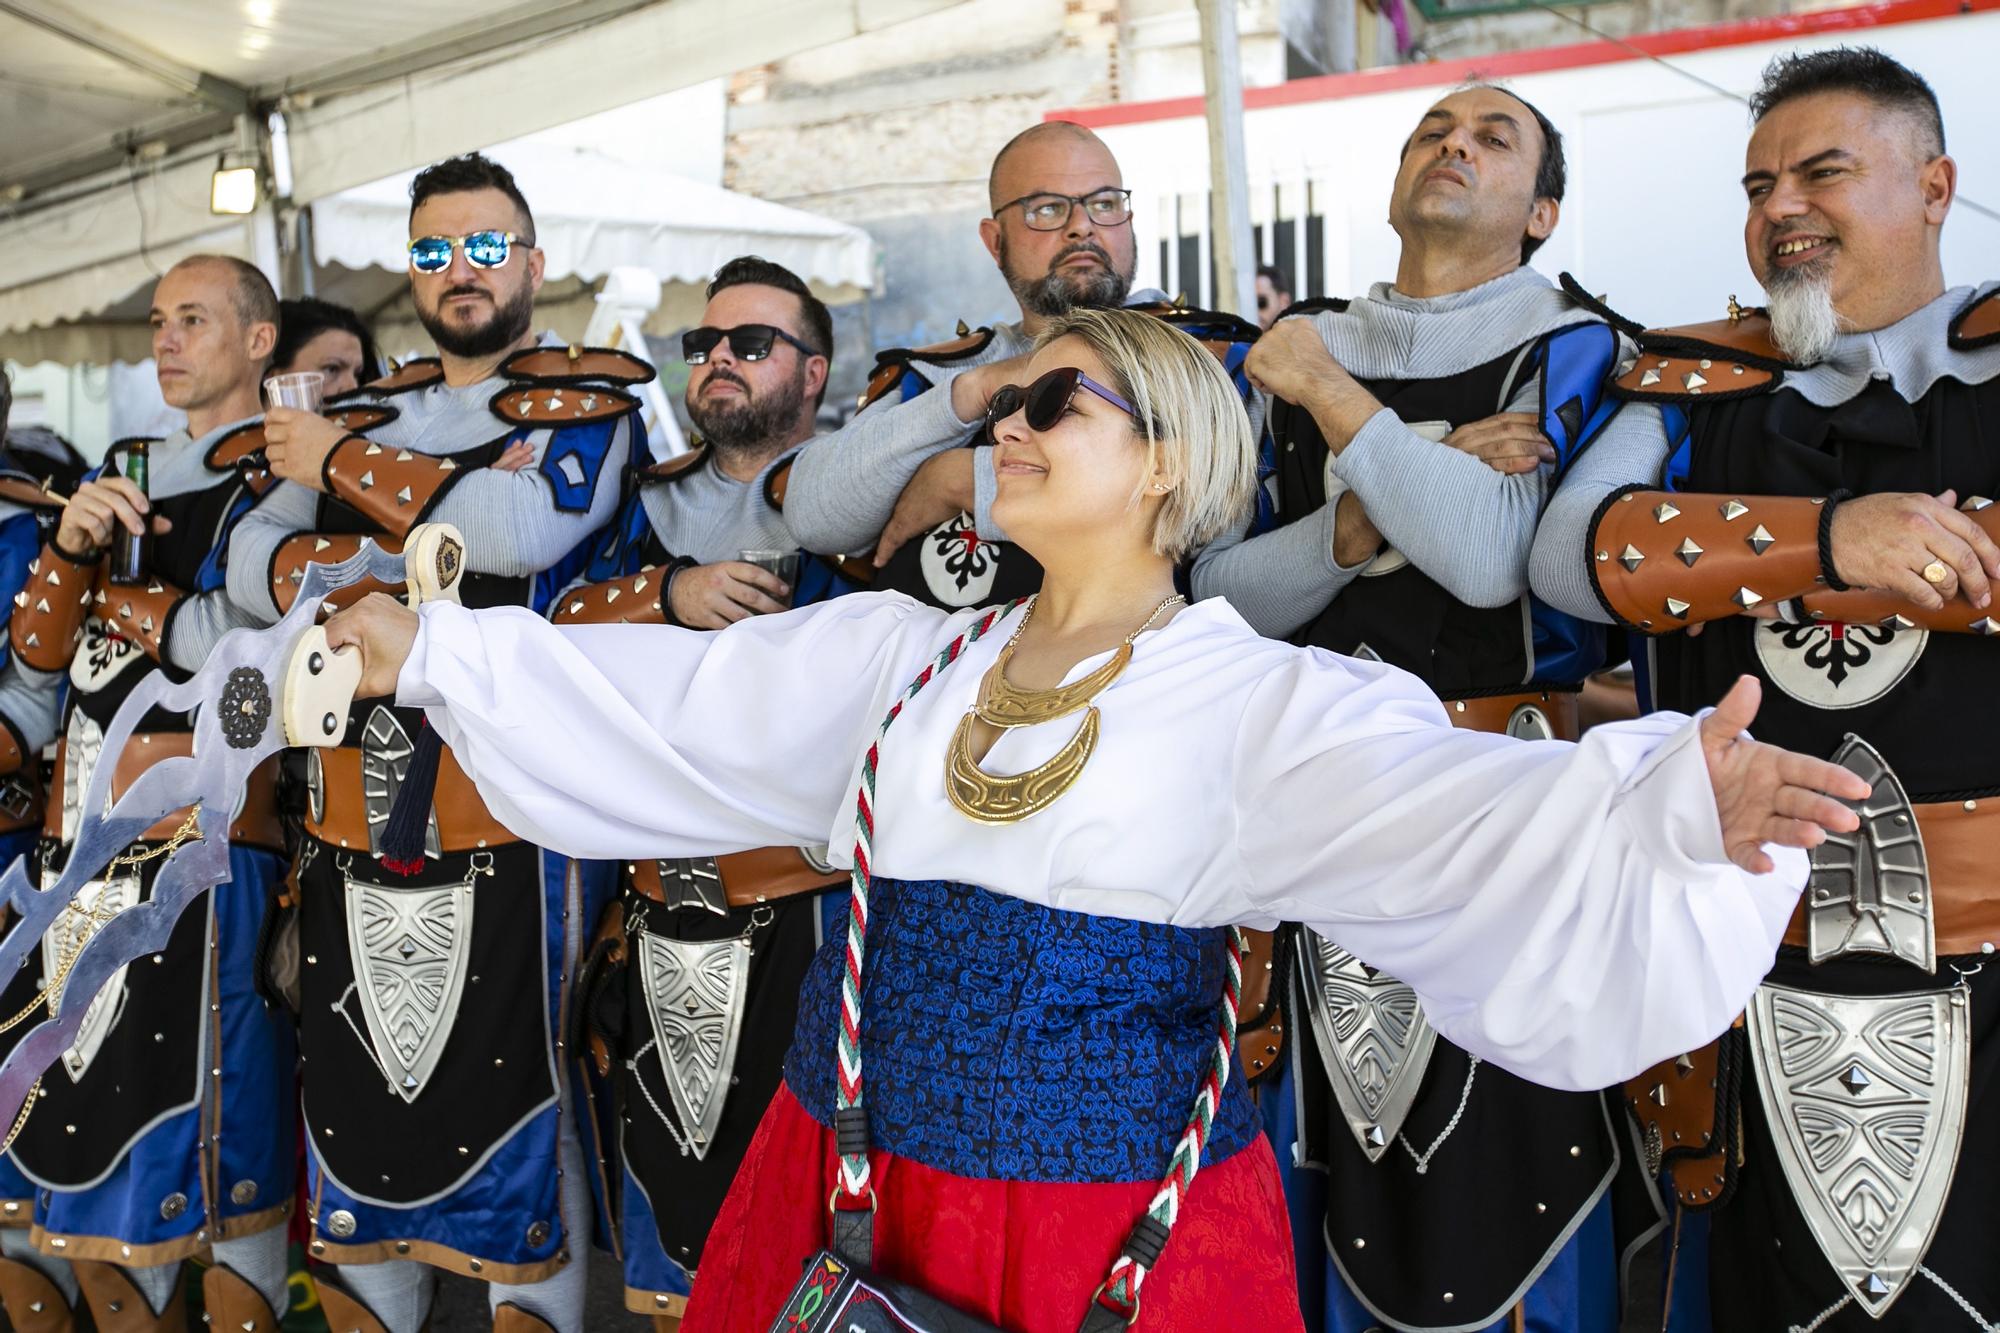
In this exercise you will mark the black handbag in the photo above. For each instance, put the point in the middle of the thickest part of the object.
(839, 1291)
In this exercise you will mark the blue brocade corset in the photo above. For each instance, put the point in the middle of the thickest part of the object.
(1009, 1041)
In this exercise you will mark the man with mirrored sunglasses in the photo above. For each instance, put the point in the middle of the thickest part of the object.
(681, 1113)
(911, 476)
(442, 1133)
(1416, 432)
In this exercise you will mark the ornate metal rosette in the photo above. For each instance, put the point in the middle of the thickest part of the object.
(245, 708)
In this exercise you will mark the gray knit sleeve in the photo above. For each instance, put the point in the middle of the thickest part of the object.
(1633, 448)
(511, 521)
(1464, 524)
(286, 509)
(199, 622)
(844, 485)
(1278, 580)
(32, 701)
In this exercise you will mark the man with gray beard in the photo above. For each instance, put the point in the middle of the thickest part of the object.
(1802, 497)
(895, 479)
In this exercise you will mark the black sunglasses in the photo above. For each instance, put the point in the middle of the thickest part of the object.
(749, 342)
(1044, 401)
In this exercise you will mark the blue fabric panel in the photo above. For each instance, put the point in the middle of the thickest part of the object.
(647, 1267)
(488, 1216)
(259, 1128)
(1007, 1040)
(588, 444)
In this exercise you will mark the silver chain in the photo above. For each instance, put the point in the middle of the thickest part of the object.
(1824, 1315)
(632, 1066)
(1963, 1304)
(1464, 1096)
(340, 1007)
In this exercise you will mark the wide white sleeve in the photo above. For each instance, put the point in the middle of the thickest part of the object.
(1566, 911)
(618, 741)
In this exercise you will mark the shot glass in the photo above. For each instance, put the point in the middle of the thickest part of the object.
(785, 564)
(305, 390)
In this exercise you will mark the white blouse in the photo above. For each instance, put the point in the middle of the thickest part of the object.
(1566, 911)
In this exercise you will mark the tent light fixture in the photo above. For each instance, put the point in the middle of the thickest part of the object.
(233, 189)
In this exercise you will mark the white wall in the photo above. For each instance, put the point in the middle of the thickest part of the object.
(1654, 213)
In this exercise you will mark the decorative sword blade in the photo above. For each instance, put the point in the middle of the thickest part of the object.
(236, 701)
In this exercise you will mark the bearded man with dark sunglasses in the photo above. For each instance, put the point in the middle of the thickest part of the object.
(436, 946)
(1416, 432)
(911, 476)
(681, 1113)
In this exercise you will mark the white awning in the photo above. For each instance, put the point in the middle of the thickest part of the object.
(116, 115)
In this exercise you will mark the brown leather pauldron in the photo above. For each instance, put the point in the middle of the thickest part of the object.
(1662, 561)
(762, 875)
(463, 821)
(256, 824)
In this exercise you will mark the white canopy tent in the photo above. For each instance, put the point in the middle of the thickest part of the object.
(117, 117)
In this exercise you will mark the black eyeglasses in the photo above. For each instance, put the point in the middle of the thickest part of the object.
(1109, 207)
(749, 342)
(1044, 401)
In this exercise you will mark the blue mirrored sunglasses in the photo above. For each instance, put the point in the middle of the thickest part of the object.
(483, 249)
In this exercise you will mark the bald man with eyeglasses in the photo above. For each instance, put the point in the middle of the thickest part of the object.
(910, 478)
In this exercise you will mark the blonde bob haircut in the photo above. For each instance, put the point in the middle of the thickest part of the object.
(1196, 431)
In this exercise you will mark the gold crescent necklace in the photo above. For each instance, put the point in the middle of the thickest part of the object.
(992, 799)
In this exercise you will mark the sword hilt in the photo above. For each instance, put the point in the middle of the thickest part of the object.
(320, 681)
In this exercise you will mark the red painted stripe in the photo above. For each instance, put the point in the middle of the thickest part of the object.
(1512, 64)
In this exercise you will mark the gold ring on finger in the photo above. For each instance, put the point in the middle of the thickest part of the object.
(1936, 572)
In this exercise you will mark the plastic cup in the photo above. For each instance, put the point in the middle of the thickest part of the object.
(305, 390)
(784, 564)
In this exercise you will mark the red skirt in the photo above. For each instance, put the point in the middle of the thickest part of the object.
(1026, 1256)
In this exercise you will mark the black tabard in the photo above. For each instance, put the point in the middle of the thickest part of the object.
(150, 1061)
(1923, 700)
(1405, 617)
(495, 1069)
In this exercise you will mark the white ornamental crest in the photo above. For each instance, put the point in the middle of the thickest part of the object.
(99, 901)
(958, 565)
(101, 657)
(1866, 1100)
(694, 993)
(1830, 664)
(83, 743)
(410, 948)
(1372, 1036)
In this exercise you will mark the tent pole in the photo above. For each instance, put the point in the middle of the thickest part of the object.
(1229, 203)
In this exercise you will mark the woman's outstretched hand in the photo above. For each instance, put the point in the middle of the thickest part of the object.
(384, 630)
(1767, 795)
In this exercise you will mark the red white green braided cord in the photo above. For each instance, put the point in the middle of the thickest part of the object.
(854, 1167)
(1121, 1288)
(1127, 1276)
